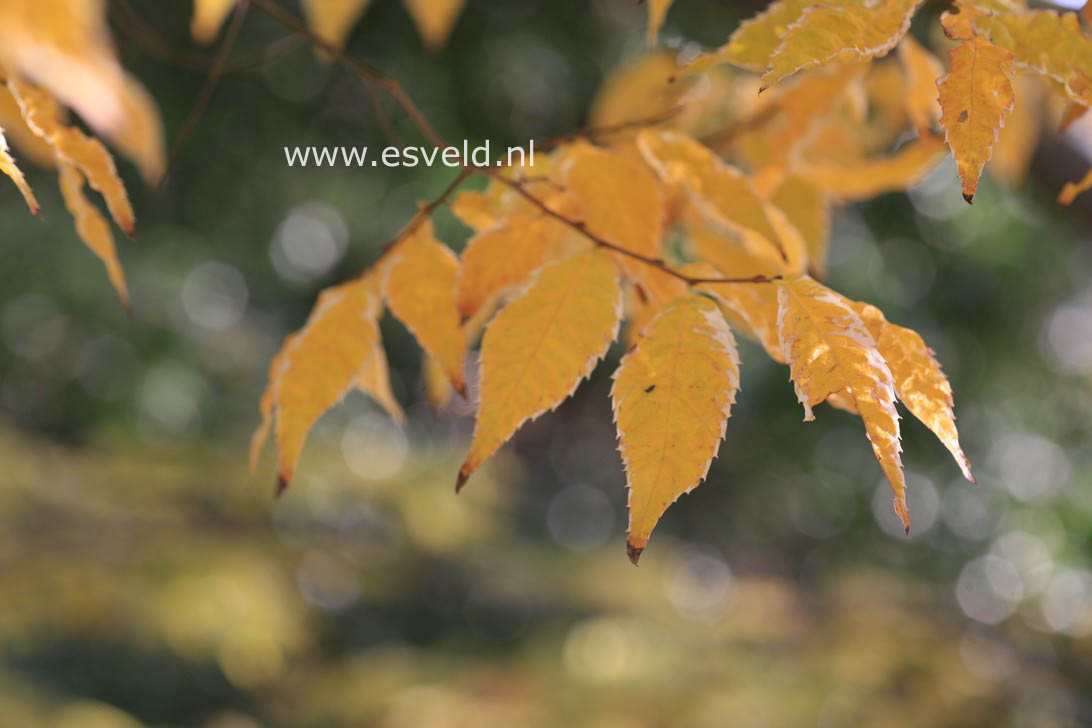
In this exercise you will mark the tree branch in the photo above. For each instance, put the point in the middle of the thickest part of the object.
(368, 73)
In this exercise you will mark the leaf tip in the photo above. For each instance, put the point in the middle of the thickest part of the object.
(634, 552)
(281, 486)
(969, 197)
(461, 478)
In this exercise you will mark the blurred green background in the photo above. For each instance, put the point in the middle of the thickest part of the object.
(146, 580)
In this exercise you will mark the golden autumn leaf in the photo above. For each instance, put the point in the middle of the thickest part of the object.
(265, 404)
(541, 346)
(829, 349)
(9, 168)
(420, 291)
(437, 386)
(645, 88)
(434, 19)
(1046, 42)
(91, 226)
(63, 45)
(208, 16)
(318, 365)
(30, 146)
(672, 396)
(506, 254)
(719, 191)
(374, 380)
(622, 200)
(806, 206)
(623, 204)
(922, 72)
(333, 20)
(919, 382)
(798, 111)
(75, 148)
(1019, 137)
(1071, 189)
(876, 175)
(753, 307)
(845, 34)
(756, 39)
(657, 13)
(976, 96)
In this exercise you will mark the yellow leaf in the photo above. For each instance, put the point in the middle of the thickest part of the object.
(825, 34)
(622, 201)
(437, 385)
(754, 307)
(919, 381)
(208, 16)
(807, 208)
(1073, 112)
(91, 226)
(719, 191)
(500, 257)
(657, 12)
(477, 210)
(756, 39)
(420, 291)
(29, 145)
(319, 364)
(1019, 137)
(75, 148)
(9, 168)
(1072, 189)
(333, 20)
(922, 72)
(265, 404)
(877, 175)
(639, 310)
(829, 350)
(541, 346)
(1046, 42)
(641, 89)
(623, 204)
(434, 19)
(976, 96)
(374, 380)
(672, 395)
(798, 112)
(64, 46)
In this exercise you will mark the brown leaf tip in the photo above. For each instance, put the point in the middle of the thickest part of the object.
(634, 552)
(969, 197)
(282, 484)
(461, 478)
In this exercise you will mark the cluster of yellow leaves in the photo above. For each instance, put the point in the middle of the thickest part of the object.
(333, 20)
(567, 250)
(55, 55)
(976, 93)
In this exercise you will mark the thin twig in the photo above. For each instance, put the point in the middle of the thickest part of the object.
(599, 241)
(365, 71)
(215, 72)
(395, 91)
(593, 132)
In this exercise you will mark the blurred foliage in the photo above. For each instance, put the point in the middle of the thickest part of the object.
(146, 581)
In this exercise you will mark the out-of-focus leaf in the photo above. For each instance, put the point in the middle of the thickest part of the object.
(420, 291)
(9, 168)
(434, 19)
(875, 176)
